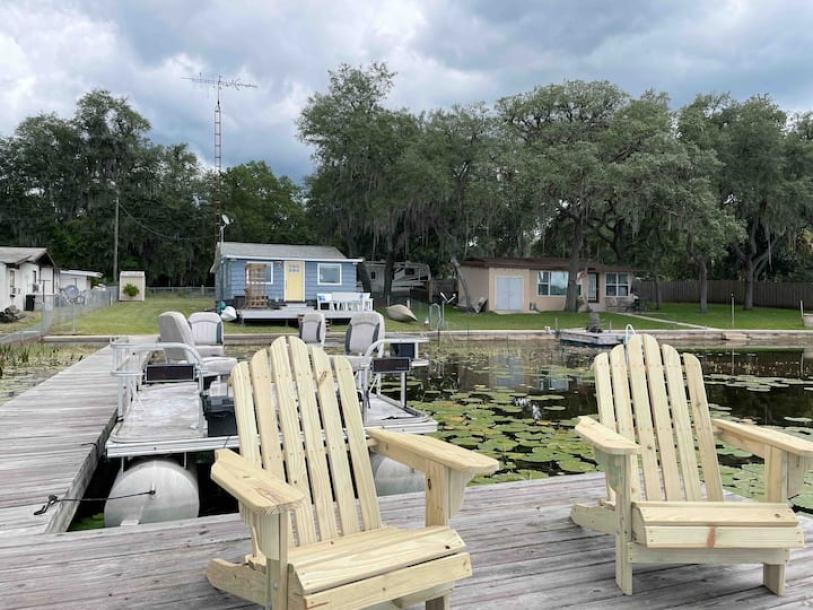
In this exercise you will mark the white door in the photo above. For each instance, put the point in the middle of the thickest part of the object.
(510, 294)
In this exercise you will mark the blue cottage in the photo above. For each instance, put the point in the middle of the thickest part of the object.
(271, 276)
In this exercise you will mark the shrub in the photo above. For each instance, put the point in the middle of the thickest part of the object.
(130, 290)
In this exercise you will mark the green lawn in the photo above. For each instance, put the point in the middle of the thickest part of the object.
(142, 318)
(719, 316)
(133, 318)
(461, 320)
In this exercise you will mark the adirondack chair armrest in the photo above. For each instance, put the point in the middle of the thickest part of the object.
(419, 452)
(258, 490)
(757, 439)
(604, 439)
(447, 468)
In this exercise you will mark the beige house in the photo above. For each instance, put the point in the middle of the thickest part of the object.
(540, 284)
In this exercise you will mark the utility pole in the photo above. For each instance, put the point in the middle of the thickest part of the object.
(218, 84)
(116, 242)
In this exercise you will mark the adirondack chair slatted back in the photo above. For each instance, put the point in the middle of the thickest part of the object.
(641, 394)
(287, 397)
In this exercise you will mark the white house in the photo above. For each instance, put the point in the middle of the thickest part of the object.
(83, 280)
(25, 274)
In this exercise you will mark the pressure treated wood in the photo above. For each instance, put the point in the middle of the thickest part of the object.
(51, 437)
(525, 553)
(328, 566)
(648, 380)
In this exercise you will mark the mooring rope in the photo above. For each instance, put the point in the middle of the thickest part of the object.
(53, 500)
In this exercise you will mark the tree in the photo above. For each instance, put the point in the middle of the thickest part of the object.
(763, 180)
(359, 147)
(264, 208)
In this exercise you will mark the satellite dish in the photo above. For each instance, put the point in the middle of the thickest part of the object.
(226, 220)
(71, 293)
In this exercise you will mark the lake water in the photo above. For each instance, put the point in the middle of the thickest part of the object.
(24, 366)
(518, 402)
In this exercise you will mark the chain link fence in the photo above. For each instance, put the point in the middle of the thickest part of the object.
(58, 311)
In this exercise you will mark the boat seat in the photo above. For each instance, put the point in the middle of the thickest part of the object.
(210, 351)
(207, 330)
(312, 328)
(359, 362)
(720, 525)
(355, 557)
(218, 365)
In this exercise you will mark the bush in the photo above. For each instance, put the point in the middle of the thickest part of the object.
(130, 290)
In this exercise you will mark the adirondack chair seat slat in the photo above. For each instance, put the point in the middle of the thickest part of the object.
(657, 445)
(305, 487)
(370, 554)
(729, 525)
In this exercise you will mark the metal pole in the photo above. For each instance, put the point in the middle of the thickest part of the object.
(732, 310)
(116, 243)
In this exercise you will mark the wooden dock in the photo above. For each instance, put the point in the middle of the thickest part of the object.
(526, 555)
(51, 437)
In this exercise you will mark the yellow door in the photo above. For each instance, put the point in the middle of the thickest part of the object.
(294, 280)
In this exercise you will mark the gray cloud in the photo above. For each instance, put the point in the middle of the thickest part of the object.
(444, 53)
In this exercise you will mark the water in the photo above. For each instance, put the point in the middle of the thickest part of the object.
(518, 402)
(24, 366)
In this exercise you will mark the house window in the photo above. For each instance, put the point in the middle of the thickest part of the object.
(372, 275)
(617, 285)
(329, 274)
(259, 274)
(409, 271)
(12, 282)
(551, 283)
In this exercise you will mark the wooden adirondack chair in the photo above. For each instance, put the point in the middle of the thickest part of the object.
(679, 516)
(328, 556)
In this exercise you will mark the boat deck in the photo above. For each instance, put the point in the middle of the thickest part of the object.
(526, 555)
(51, 437)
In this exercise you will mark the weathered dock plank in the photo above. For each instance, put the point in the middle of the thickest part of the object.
(50, 440)
(525, 551)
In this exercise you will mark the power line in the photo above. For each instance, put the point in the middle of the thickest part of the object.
(158, 233)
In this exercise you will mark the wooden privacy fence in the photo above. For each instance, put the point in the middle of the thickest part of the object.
(766, 294)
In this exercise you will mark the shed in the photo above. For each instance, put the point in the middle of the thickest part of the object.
(134, 278)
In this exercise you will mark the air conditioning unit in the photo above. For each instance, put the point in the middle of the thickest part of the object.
(35, 288)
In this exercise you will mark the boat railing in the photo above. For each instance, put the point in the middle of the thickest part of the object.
(129, 360)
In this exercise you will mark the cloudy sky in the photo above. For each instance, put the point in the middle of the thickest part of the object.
(444, 52)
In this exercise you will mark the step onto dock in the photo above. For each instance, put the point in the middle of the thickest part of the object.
(51, 437)
(526, 554)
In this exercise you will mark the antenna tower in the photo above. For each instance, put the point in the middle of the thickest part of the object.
(218, 84)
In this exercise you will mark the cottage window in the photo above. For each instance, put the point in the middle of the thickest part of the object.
(617, 285)
(551, 283)
(329, 274)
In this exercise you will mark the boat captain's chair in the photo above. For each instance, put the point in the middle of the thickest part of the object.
(365, 329)
(312, 328)
(207, 331)
(173, 328)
